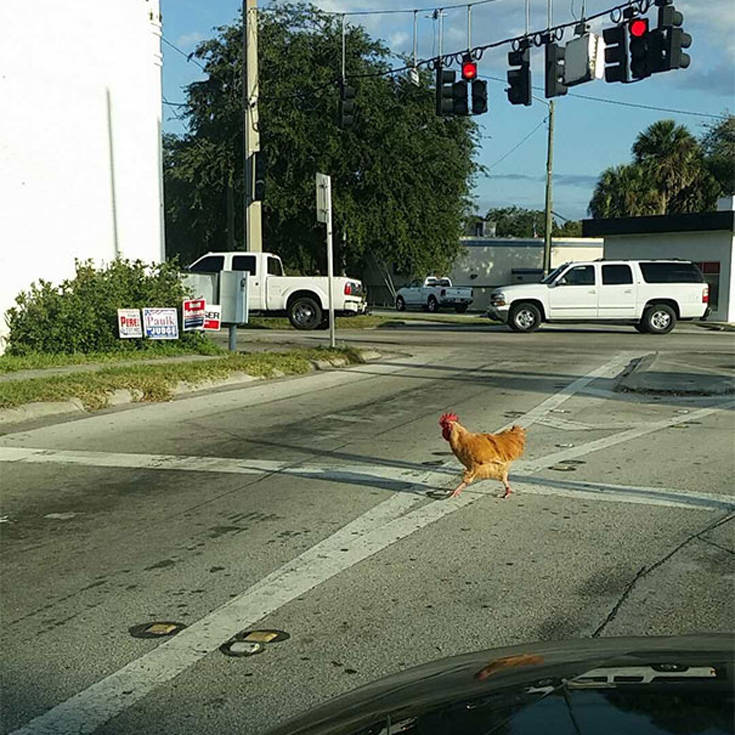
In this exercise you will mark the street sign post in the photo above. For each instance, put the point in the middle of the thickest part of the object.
(324, 214)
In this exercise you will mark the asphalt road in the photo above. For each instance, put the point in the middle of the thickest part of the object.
(308, 506)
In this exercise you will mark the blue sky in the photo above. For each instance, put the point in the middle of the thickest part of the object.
(589, 135)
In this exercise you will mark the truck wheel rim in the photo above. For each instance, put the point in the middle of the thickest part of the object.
(525, 319)
(303, 314)
(660, 319)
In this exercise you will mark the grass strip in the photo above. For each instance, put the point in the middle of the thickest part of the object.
(157, 382)
(37, 360)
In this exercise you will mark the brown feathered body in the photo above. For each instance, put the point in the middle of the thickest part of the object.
(485, 456)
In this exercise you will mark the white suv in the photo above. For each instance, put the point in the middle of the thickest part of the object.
(649, 294)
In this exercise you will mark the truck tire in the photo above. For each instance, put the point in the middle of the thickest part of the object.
(461, 308)
(659, 319)
(400, 304)
(432, 305)
(640, 327)
(304, 312)
(524, 317)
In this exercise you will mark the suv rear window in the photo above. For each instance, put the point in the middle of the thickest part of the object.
(671, 273)
(616, 275)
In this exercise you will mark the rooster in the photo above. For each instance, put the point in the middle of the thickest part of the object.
(484, 455)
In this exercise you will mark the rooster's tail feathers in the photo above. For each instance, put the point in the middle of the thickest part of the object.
(514, 440)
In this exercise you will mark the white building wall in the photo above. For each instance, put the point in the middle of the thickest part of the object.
(716, 245)
(80, 137)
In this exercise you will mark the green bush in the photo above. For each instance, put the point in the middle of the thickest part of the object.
(80, 315)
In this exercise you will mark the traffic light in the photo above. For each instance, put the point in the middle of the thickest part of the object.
(674, 38)
(616, 53)
(346, 105)
(469, 69)
(444, 91)
(460, 103)
(555, 70)
(640, 66)
(519, 91)
(259, 165)
(479, 97)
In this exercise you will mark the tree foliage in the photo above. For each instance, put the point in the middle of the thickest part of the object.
(718, 144)
(520, 222)
(672, 172)
(400, 176)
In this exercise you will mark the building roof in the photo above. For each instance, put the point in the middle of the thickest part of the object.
(528, 242)
(704, 221)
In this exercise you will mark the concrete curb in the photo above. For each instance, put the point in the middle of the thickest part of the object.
(649, 374)
(122, 397)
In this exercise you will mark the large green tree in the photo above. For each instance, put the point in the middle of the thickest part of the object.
(401, 176)
(669, 174)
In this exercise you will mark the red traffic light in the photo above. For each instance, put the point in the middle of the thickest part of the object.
(469, 70)
(638, 27)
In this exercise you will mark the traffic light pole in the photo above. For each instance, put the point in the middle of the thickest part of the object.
(253, 231)
(549, 168)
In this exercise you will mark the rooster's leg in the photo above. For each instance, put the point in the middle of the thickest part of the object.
(506, 484)
(462, 485)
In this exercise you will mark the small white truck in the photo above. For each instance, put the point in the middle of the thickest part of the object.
(304, 299)
(432, 294)
(649, 294)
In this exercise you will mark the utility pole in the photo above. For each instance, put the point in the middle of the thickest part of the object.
(253, 231)
(549, 167)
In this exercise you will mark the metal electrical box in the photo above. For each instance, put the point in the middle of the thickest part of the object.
(203, 286)
(233, 296)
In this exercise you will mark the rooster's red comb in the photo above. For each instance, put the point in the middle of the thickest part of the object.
(447, 417)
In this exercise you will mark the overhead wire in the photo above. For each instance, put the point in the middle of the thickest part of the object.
(518, 144)
(406, 10)
(188, 57)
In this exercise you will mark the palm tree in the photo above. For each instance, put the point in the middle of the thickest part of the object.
(671, 156)
(625, 191)
(668, 176)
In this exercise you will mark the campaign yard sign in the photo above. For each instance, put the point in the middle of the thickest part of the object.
(160, 323)
(129, 324)
(193, 314)
(212, 317)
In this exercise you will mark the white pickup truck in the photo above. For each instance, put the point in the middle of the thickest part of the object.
(432, 294)
(649, 294)
(304, 299)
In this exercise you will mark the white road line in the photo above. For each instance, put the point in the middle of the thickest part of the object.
(608, 370)
(530, 467)
(661, 496)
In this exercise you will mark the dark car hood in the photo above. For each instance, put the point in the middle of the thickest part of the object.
(641, 685)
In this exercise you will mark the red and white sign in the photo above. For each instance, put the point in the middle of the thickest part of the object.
(213, 317)
(193, 314)
(129, 323)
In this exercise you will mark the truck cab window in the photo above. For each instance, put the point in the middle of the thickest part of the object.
(244, 263)
(274, 267)
(210, 264)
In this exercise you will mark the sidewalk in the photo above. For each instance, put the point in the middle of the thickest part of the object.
(689, 374)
